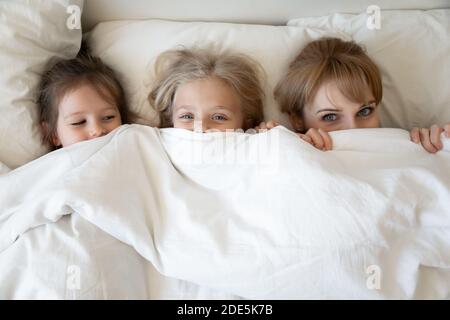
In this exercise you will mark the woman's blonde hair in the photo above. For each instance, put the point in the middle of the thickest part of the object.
(343, 62)
(176, 67)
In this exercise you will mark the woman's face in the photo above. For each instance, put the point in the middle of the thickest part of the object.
(330, 110)
(207, 104)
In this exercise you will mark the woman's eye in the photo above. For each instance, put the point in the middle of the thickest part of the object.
(329, 117)
(365, 112)
(219, 117)
(187, 116)
(79, 123)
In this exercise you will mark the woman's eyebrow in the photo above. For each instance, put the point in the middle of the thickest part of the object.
(333, 110)
(366, 104)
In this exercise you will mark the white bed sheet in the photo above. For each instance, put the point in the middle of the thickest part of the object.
(301, 224)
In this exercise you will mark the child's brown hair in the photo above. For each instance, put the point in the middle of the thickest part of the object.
(176, 67)
(64, 76)
(344, 62)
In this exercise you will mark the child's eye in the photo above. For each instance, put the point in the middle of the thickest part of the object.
(330, 117)
(218, 117)
(107, 118)
(187, 116)
(365, 112)
(79, 123)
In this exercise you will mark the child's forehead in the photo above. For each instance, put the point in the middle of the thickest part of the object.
(103, 89)
(212, 89)
(84, 98)
(211, 81)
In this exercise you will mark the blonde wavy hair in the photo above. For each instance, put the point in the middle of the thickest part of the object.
(176, 67)
(325, 59)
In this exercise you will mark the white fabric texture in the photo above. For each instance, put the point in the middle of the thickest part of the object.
(412, 49)
(3, 168)
(268, 12)
(74, 259)
(276, 219)
(31, 32)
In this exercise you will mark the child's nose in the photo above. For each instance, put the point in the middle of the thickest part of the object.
(200, 126)
(97, 130)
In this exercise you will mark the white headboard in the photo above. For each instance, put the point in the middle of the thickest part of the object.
(273, 12)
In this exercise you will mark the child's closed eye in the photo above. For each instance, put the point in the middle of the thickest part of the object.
(186, 116)
(107, 118)
(78, 123)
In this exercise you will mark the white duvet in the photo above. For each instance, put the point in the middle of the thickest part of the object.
(144, 213)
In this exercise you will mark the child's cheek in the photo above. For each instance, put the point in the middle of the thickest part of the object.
(74, 136)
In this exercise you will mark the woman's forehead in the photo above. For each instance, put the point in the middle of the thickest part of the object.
(328, 95)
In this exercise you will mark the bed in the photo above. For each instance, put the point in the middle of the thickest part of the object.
(137, 215)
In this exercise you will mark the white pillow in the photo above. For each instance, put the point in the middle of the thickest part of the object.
(412, 49)
(31, 32)
(131, 47)
(3, 169)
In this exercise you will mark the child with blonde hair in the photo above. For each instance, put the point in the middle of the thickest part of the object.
(334, 85)
(80, 99)
(200, 89)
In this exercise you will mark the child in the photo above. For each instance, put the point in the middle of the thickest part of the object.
(199, 89)
(80, 99)
(333, 85)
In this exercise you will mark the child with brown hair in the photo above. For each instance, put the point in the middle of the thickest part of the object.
(334, 85)
(80, 99)
(200, 89)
